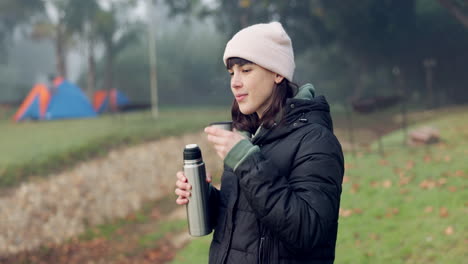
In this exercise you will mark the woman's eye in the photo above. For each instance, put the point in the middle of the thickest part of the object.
(246, 70)
(231, 73)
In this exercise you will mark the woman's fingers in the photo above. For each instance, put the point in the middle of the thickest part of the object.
(182, 188)
(181, 201)
(183, 185)
(216, 131)
(182, 193)
(216, 140)
(181, 176)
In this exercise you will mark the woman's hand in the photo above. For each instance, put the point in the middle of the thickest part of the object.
(183, 187)
(223, 140)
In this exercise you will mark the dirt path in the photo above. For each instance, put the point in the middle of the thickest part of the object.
(127, 243)
(52, 210)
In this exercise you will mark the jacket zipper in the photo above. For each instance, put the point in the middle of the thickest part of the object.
(231, 230)
(260, 249)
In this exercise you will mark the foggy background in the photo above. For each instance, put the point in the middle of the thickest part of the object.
(348, 50)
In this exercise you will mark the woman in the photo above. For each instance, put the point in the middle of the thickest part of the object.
(280, 190)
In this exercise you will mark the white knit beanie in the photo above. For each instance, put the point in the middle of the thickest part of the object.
(267, 45)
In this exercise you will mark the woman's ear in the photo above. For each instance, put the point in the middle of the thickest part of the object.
(278, 78)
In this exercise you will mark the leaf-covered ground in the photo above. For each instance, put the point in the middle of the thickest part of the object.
(408, 206)
(151, 235)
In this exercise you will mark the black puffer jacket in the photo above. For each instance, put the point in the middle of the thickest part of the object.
(281, 203)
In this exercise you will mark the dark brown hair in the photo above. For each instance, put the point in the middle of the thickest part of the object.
(283, 90)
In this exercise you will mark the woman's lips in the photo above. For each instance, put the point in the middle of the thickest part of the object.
(240, 97)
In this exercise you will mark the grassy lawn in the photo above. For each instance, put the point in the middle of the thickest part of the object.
(408, 206)
(38, 148)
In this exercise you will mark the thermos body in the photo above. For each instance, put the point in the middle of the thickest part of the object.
(198, 214)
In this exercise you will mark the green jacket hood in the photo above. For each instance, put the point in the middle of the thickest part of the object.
(306, 91)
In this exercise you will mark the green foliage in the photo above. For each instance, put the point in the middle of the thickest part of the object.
(367, 38)
(80, 14)
(12, 14)
(39, 148)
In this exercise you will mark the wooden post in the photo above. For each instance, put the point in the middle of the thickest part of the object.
(429, 64)
(402, 92)
(349, 110)
(152, 57)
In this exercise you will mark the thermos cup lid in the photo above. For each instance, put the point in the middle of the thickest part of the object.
(221, 123)
(192, 152)
(226, 125)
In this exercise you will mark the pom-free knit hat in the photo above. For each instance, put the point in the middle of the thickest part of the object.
(267, 45)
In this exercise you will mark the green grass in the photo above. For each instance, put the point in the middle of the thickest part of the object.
(39, 148)
(398, 202)
(406, 207)
(163, 229)
(195, 252)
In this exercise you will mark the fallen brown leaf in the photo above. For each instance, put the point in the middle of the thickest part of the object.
(383, 162)
(442, 181)
(404, 191)
(443, 212)
(391, 212)
(346, 179)
(452, 189)
(404, 181)
(427, 158)
(449, 231)
(398, 171)
(410, 164)
(346, 212)
(357, 211)
(355, 188)
(428, 209)
(427, 184)
(387, 184)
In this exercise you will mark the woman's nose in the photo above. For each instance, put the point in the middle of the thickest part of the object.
(236, 82)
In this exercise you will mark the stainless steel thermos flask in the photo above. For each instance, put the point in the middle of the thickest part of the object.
(198, 214)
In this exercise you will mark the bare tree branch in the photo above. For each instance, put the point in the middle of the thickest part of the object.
(455, 11)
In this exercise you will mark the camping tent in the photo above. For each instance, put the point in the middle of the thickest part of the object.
(101, 100)
(65, 100)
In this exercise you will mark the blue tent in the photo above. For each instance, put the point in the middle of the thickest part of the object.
(68, 101)
(117, 99)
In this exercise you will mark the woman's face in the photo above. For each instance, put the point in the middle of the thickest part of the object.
(252, 86)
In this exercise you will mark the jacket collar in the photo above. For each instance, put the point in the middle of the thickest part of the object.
(303, 109)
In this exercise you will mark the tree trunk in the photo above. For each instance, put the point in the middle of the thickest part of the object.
(455, 11)
(360, 80)
(109, 74)
(60, 52)
(109, 71)
(91, 68)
